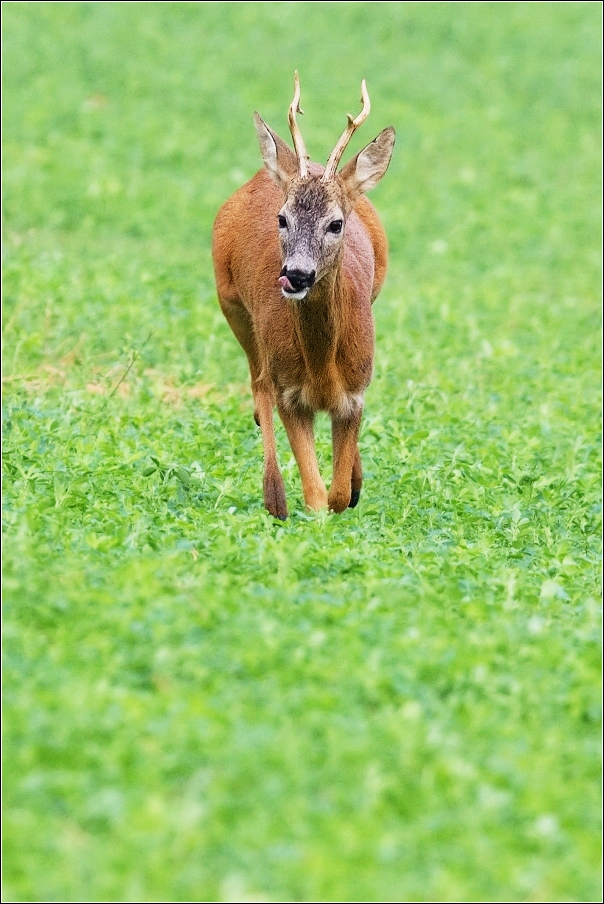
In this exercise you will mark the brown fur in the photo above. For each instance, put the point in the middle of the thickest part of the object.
(310, 355)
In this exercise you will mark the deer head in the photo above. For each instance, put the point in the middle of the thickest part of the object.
(317, 202)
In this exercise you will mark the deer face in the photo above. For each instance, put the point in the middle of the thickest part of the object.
(311, 231)
(313, 218)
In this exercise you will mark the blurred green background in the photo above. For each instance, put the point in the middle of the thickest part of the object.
(401, 703)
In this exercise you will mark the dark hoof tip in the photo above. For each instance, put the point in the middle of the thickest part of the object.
(354, 498)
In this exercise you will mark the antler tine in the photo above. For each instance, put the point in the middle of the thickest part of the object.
(295, 131)
(353, 124)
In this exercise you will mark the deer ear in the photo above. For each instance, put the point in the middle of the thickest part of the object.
(280, 161)
(367, 168)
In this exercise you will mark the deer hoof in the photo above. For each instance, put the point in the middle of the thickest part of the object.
(274, 497)
(354, 498)
(276, 511)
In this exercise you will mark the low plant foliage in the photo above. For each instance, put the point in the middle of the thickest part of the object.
(399, 703)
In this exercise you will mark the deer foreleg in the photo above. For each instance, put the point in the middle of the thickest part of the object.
(299, 427)
(347, 475)
(274, 488)
(240, 322)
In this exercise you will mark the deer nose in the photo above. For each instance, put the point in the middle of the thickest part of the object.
(299, 279)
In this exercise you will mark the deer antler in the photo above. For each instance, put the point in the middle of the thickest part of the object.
(353, 124)
(295, 131)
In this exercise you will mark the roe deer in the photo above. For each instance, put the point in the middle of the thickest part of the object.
(299, 257)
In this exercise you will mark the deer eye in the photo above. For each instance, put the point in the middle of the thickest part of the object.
(282, 221)
(335, 227)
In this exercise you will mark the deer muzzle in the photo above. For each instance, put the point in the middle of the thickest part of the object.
(296, 283)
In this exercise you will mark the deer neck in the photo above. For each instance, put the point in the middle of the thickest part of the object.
(319, 321)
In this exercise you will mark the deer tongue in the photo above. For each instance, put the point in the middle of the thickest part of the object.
(285, 284)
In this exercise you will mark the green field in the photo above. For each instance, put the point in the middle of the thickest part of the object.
(398, 703)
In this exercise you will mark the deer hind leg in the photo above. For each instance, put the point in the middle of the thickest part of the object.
(357, 479)
(241, 323)
(347, 476)
(299, 427)
(274, 488)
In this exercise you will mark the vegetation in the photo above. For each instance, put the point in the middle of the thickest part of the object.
(398, 703)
